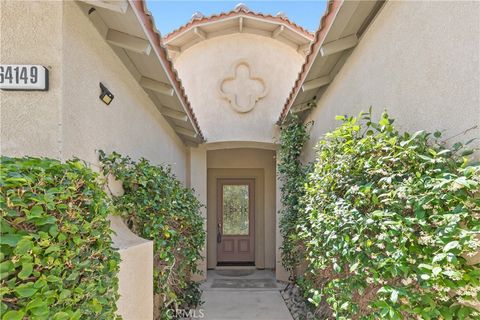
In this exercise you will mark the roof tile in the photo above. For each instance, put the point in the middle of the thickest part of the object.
(238, 11)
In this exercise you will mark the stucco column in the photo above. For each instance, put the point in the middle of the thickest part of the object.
(198, 181)
(135, 284)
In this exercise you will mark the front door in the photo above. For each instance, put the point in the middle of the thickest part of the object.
(235, 221)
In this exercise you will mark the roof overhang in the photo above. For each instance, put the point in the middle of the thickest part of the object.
(129, 29)
(240, 20)
(342, 27)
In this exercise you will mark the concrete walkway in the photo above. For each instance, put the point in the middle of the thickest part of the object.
(249, 297)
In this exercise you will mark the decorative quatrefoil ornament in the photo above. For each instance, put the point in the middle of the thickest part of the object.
(242, 89)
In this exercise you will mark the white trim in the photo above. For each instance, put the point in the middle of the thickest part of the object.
(174, 114)
(339, 45)
(156, 86)
(316, 83)
(128, 42)
(185, 132)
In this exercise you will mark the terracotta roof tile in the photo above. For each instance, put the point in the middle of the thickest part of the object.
(238, 11)
(148, 22)
(325, 24)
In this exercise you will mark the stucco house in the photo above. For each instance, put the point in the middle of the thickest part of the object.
(209, 97)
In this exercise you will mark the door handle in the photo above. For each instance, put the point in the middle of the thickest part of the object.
(219, 233)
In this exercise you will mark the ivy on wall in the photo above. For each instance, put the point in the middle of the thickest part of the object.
(388, 224)
(156, 206)
(292, 174)
(56, 259)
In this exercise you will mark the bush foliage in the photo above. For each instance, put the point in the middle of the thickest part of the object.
(389, 221)
(292, 175)
(56, 256)
(157, 207)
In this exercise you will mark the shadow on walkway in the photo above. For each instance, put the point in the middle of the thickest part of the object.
(240, 295)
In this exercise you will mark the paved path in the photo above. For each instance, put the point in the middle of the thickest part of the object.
(242, 302)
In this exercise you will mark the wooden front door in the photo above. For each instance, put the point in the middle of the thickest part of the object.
(235, 221)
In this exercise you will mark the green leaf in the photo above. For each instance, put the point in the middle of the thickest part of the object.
(439, 257)
(36, 211)
(394, 296)
(7, 266)
(425, 276)
(25, 290)
(23, 246)
(451, 273)
(96, 306)
(52, 278)
(27, 269)
(436, 271)
(35, 303)
(354, 266)
(64, 294)
(61, 316)
(53, 230)
(450, 246)
(10, 239)
(13, 315)
(52, 249)
(38, 307)
(41, 221)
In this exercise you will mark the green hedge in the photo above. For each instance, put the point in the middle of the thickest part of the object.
(56, 256)
(389, 221)
(156, 206)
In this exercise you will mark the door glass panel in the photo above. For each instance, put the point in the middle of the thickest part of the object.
(235, 209)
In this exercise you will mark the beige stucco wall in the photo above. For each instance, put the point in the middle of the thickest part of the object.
(203, 66)
(30, 122)
(245, 163)
(420, 60)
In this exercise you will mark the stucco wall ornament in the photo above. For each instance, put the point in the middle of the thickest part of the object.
(242, 88)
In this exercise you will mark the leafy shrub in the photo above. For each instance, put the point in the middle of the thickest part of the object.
(56, 256)
(292, 174)
(157, 207)
(390, 220)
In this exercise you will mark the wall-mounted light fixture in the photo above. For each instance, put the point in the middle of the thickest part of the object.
(106, 96)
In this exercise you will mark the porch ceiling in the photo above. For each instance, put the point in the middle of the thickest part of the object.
(129, 29)
(341, 28)
(239, 20)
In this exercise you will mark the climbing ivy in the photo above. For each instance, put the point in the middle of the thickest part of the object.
(390, 220)
(292, 174)
(156, 206)
(56, 259)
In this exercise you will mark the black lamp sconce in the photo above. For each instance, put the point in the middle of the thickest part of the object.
(106, 96)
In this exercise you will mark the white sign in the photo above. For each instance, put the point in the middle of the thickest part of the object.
(23, 77)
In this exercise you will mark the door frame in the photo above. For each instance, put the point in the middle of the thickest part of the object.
(251, 215)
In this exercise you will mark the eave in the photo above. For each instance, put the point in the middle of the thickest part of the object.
(129, 29)
(341, 29)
